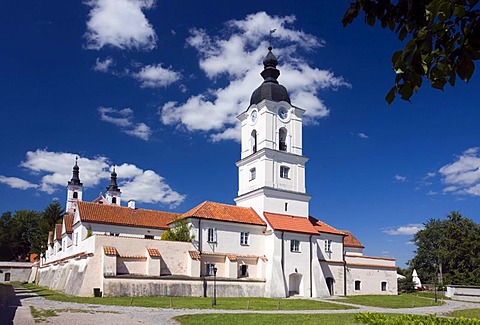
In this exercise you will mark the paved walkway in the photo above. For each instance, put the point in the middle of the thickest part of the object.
(75, 313)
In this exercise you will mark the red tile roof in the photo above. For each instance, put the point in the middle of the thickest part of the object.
(68, 220)
(114, 214)
(58, 232)
(351, 241)
(323, 227)
(224, 212)
(109, 250)
(153, 252)
(196, 255)
(290, 223)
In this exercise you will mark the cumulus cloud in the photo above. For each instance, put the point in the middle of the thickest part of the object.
(233, 60)
(409, 229)
(400, 178)
(120, 24)
(15, 182)
(362, 135)
(123, 119)
(103, 65)
(463, 175)
(155, 76)
(54, 169)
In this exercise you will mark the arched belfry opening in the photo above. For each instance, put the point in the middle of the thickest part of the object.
(282, 139)
(253, 141)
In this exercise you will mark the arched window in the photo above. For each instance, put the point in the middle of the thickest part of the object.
(114, 200)
(253, 141)
(282, 139)
(75, 195)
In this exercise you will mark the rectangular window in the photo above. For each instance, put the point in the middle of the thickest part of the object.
(210, 269)
(357, 285)
(294, 245)
(149, 237)
(75, 239)
(244, 270)
(212, 235)
(328, 246)
(384, 286)
(253, 174)
(244, 238)
(284, 171)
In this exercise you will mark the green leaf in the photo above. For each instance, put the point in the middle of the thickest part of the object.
(391, 95)
(465, 69)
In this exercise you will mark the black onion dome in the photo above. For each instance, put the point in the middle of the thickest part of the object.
(113, 182)
(270, 88)
(75, 175)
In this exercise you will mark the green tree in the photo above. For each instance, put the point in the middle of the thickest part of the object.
(52, 215)
(6, 252)
(450, 246)
(442, 39)
(179, 232)
(25, 233)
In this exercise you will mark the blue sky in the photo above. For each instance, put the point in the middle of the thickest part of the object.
(154, 87)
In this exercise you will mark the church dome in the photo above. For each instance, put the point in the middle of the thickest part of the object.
(270, 88)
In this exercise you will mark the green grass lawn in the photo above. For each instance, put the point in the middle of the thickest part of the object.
(406, 300)
(467, 313)
(193, 302)
(284, 319)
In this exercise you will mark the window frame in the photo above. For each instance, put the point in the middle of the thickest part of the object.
(211, 235)
(294, 245)
(383, 285)
(328, 246)
(243, 267)
(285, 172)
(209, 269)
(358, 285)
(245, 238)
(253, 174)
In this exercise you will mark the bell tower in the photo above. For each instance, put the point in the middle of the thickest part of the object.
(113, 194)
(271, 170)
(74, 188)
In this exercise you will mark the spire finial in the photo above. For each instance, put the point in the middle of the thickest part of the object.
(75, 175)
(271, 32)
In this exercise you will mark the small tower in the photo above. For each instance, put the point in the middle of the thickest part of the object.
(113, 194)
(74, 188)
(271, 170)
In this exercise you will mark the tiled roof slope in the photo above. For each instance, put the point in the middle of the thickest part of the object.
(323, 227)
(58, 232)
(117, 215)
(351, 241)
(68, 220)
(290, 223)
(224, 212)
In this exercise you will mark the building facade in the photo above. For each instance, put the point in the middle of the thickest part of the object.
(265, 245)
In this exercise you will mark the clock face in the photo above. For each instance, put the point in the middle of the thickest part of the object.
(283, 113)
(254, 116)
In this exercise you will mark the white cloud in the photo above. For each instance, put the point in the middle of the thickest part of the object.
(54, 169)
(103, 66)
(430, 175)
(463, 175)
(155, 76)
(362, 135)
(234, 61)
(123, 119)
(409, 229)
(120, 24)
(15, 182)
(400, 178)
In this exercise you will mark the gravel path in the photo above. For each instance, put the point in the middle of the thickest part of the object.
(75, 313)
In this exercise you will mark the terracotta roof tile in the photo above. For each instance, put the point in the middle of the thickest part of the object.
(195, 255)
(224, 212)
(351, 241)
(109, 250)
(153, 252)
(58, 232)
(323, 227)
(232, 257)
(68, 220)
(114, 214)
(290, 223)
(133, 257)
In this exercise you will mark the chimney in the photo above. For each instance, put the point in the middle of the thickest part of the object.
(131, 204)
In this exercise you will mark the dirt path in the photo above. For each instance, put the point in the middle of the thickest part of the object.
(74, 313)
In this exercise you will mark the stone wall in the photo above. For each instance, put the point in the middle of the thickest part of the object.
(469, 293)
(180, 287)
(15, 271)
